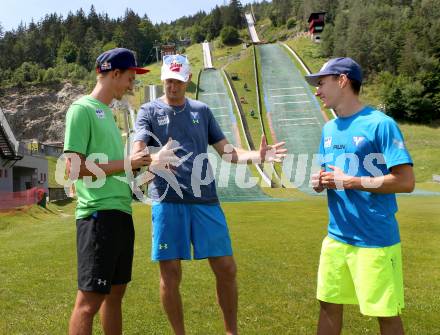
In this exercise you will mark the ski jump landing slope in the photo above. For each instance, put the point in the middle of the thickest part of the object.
(235, 185)
(293, 112)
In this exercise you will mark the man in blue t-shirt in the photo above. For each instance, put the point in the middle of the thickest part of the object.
(364, 163)
(186, 209)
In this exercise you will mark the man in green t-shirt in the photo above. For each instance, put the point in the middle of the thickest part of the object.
(95, 159)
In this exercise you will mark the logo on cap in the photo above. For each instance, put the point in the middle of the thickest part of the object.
(106, 66)
(118, 58)
(175, 66)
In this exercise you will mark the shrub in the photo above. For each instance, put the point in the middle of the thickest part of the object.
(291, 23)
(26, 73)
(229, 35)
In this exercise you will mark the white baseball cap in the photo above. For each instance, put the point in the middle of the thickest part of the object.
(175, 67)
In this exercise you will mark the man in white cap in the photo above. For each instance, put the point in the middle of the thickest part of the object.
(190, 214)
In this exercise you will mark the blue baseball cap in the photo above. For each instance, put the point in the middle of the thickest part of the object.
(337, 66)
(118, 58)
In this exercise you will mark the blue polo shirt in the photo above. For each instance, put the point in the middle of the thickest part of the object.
(193, 126)
(368, 143)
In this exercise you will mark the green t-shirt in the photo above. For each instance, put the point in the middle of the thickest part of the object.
(91, 130)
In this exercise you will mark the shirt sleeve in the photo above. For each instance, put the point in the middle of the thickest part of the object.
(77, 135)
(391, 143)
(143, 125)
(215, 134)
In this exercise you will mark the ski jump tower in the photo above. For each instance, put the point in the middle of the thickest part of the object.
(251, 27)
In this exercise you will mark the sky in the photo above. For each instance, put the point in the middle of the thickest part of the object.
(13, 12)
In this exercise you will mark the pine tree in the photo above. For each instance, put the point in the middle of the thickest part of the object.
(233, 15)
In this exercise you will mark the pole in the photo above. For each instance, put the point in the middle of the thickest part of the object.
(156, 46)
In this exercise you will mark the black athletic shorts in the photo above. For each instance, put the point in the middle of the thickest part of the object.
(105, 243)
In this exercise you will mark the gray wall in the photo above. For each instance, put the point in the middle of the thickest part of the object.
(30, 171)
(5, 181)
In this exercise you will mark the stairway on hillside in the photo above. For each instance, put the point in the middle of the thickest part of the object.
(8, 143)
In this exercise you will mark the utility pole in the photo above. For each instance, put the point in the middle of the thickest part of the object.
(157, 46)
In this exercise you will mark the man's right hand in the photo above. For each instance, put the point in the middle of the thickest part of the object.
(316, 182)
(140, 159)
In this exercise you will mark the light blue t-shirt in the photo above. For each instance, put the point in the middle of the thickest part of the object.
(193, 126)
(368, 143)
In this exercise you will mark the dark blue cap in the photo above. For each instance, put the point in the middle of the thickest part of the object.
(118, 58)
(337, 66)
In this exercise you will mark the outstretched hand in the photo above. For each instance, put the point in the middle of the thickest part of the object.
(272, 153)
(166, 158)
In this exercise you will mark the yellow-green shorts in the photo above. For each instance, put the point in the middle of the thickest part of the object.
(369, 277)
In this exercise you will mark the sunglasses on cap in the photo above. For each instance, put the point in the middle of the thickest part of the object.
(168, 59)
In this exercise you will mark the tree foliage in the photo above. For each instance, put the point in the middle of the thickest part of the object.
(56, 42)
(397, 43)
(229, 35)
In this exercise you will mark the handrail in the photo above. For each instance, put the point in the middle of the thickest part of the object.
(8, 132)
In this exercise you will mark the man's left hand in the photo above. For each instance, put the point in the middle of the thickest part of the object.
(272, 153)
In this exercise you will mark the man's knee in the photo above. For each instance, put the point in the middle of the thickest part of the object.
(330, 308)
(225, 269)
(390, 321)
(88, 303)
(116, 294)
(170, 274)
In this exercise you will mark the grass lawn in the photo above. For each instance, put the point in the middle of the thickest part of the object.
(276, 247)
(423, 143)
(244, 68)
(224, 54)
(51, 166)
(270, 34)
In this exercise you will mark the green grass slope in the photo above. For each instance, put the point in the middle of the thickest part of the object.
(277, 249)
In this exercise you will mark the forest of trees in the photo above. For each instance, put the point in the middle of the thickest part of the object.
(58, 48)
(398, 45)
(397, 42)
(66, 48)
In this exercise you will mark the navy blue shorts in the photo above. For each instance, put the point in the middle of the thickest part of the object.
(178, 226)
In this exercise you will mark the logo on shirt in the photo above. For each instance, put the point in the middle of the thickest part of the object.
(399, 144)
(195, 117)
(100, 114)
(358, 139)
(328, 142)
(163, 120)
(339, 146)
